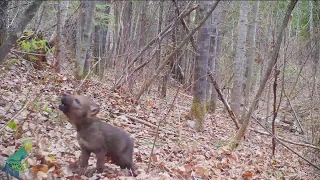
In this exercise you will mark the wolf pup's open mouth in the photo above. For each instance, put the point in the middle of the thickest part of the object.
(63, 106)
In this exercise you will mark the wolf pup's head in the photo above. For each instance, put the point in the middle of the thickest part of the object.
(78, 108)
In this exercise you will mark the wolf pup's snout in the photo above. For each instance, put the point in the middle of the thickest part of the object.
(63, 106)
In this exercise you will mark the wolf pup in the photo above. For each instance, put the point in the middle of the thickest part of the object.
(95, 135)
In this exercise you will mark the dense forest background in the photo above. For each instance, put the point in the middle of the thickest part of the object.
(224, 70)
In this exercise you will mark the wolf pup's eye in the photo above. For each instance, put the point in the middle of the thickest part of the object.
(77, 101)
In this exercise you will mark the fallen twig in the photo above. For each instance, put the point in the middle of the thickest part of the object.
(295, 114)
(158, 127)
(216, 86)
(148, 124)
(288, 141)
(22, 109)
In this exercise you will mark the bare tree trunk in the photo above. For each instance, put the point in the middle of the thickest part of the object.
(198, 109)
(211, 58)
(158, 55)
(239, 60)
(116, 33)
(160, 19)
(110, 37)
(251, 55)
(172, 41)
(314, 44)
(84, 29)
(124, 37)
(190, 70)
(58, 43)
(3, 21)
(14, 34)
(80, 23)
(143, 33)
(241, 132)
(219, 39)
(269, 89)
(215, 52)
(64, 6)
(100, 34)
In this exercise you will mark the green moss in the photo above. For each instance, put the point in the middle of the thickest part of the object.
(211, 107)
(198, 113)
(221, 143)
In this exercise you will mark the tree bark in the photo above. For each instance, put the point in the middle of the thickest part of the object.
(198, 109)
(251, 55)
(241, 132)
(158, 53)
(64, 6)
(58, 39)
(215, 53)
(3, 21)
(14, 34)
(86, 30)
(100, 36)
(239, 60)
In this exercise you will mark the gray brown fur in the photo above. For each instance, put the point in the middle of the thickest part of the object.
(97, 136)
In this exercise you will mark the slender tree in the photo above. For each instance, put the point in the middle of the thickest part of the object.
(58, 39)
(85, 23)
(251, 52)
(100, 34)
(239, 59)
(3, 20)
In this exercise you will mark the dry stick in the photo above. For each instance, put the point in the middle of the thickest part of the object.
(168, 58)
(164, 130)
(15, 98)
(275, 110)
(22, 109)
(158, 127)
(185, 26)
(288, 141)
(164, 32)
(216, 86)
(142, 65)
(22, 52)
(295, 114)
(149, 124)
(276, 138)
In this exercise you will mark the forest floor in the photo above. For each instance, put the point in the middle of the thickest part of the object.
(30, 99)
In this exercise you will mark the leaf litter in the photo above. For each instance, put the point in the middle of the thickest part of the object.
(180, 152)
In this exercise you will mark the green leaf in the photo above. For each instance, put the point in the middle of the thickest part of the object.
(102, 6)
(14, 60)
(12, 125)
(47, 109)
(24, 166)
(25, 45)
(27, 144)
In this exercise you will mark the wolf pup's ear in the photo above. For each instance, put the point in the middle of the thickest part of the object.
(94, 109)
